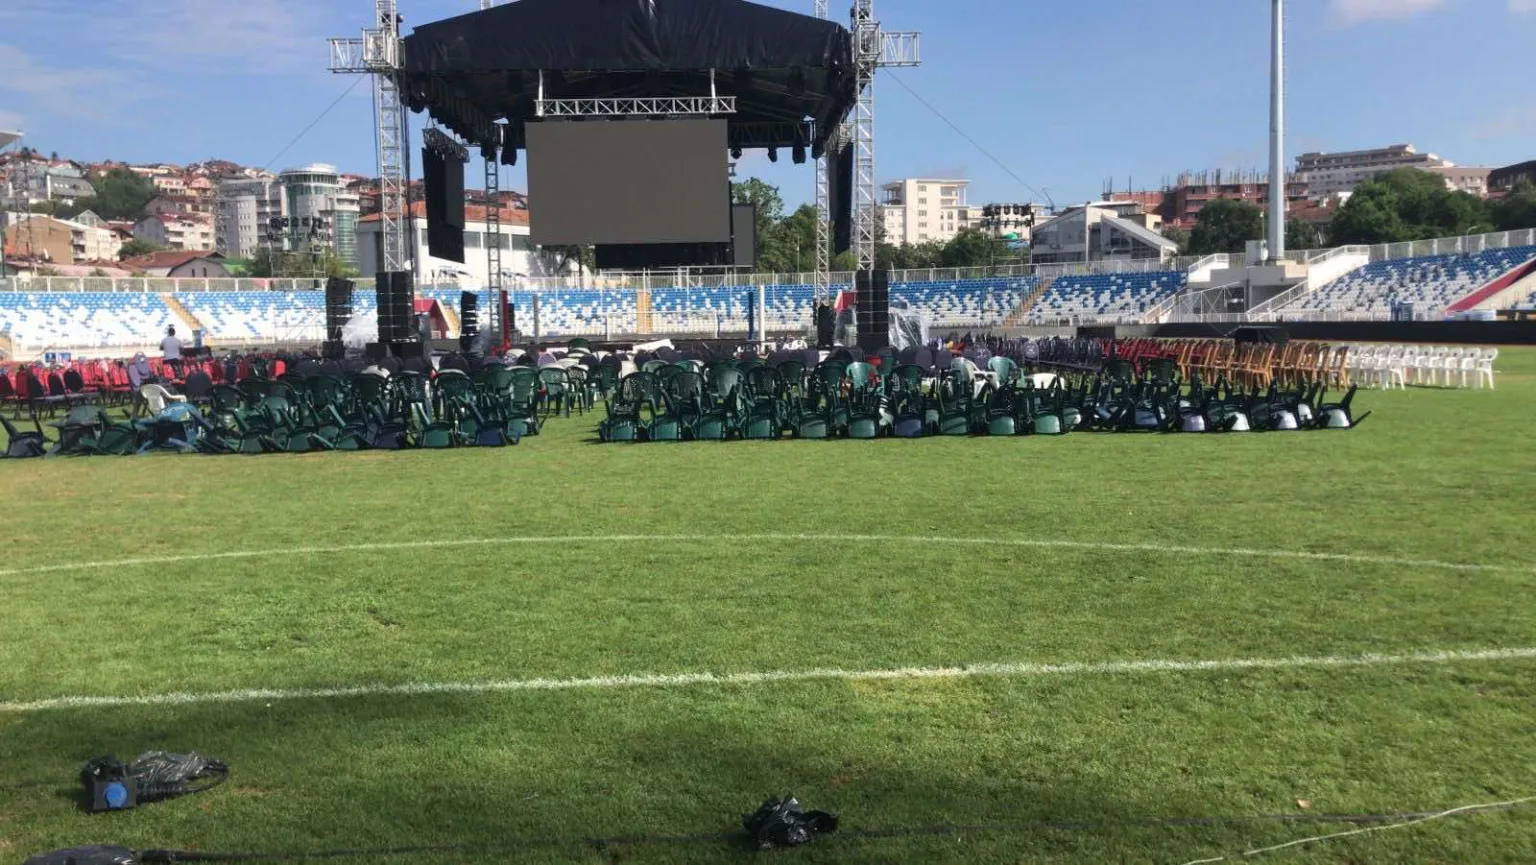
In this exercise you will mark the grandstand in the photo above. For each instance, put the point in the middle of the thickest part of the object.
(77, 315)
(1433, 281)
(84, 320)
(1106, 296)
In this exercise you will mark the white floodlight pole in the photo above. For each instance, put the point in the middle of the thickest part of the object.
(1277, 185)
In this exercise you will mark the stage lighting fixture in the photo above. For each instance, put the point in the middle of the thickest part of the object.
(799, 154)
(735, 152)
(773, 154)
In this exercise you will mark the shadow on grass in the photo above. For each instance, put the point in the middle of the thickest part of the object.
(509, 775)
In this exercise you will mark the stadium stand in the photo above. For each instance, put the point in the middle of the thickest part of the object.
(1435, 281)
(966, 302)
(259, 315)
(84, 319)
(577, 311)
(1106, 295)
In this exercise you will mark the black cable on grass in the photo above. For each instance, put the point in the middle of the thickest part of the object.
(942, 830)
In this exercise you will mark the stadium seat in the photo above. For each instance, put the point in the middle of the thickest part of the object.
(1432, 281)
(1106, 296)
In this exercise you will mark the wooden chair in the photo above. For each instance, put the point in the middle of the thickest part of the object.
(1338, 372)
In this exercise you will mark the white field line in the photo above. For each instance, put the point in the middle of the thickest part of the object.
(533, 540)
(683, 680)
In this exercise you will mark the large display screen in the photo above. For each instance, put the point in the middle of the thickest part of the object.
(628, 182)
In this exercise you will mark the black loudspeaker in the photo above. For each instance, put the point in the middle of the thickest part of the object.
(338, 306)
(443, 180)
(396, 297)
(874, 309)
(1261, 335)
(469, 319)
(841, 200)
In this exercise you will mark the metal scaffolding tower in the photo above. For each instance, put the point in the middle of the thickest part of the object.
(823, 277)
(873, 49)
(377, 53)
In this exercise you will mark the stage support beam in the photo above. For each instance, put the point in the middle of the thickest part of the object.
(377, 53)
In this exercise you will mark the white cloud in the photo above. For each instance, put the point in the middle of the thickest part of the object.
(1523, 7)
(76, 92)
(173, 37)
(1356, 11)
(12, 121)
(1514, 122)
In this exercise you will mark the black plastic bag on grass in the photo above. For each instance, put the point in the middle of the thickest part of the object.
(781, 823)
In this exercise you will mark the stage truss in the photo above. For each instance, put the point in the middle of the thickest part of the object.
(377, 53)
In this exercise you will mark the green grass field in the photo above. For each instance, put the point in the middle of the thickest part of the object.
(564, 559)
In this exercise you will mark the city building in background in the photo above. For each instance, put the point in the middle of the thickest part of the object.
(176, 231)
(1502, 181)
(320, 211)
(1099, 231)
(518, 257)
(60, 241)
(1471, 179)
(179, 264)
(243, 210)
(1331, 173)
(919, 210)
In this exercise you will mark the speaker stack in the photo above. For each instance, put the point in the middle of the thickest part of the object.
(338, 311)
(874, 290)
(469, 320)
(396, 298)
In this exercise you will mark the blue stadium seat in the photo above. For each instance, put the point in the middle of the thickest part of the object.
(1433, 281)
(1106, 296)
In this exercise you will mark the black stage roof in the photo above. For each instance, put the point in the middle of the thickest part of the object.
(472, 71)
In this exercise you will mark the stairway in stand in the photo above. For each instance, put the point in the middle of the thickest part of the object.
(185, 315)
(1017, 317)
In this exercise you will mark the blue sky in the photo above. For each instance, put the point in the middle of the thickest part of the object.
(1067, 95)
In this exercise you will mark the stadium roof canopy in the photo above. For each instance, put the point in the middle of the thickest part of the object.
(474, 71)
(7, 137)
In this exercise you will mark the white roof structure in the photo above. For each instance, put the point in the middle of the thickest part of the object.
(6, 138)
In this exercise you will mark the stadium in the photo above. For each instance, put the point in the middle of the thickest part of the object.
(1117, 555)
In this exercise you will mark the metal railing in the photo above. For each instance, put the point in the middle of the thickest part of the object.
(1453, 245)
(161, 285)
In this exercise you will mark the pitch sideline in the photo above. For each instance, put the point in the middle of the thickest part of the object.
(680, 680)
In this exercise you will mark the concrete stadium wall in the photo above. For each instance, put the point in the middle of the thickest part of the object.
(1447, 332)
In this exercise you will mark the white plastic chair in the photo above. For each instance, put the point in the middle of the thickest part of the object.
(156, 398)
(1427, 366)
(1362, 362)
(1394, 369)
(1450, 364)
(1483, 366)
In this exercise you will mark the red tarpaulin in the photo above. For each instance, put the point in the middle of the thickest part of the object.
(439, 321)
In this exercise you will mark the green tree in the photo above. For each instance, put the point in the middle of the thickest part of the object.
(1407, 204)
(1302, 235)
(776, 251)
(584, 256)
(1178, 235)
(291, 265)
(1225, 225)
(790, 245)
(973, 248)
(1516, 210)
(135, 248)
(120, 194)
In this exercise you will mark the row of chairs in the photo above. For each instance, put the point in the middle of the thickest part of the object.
(1397, 366)
(855, 400)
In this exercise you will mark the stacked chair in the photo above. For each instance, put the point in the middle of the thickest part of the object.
(301, 413)
(854, 399)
